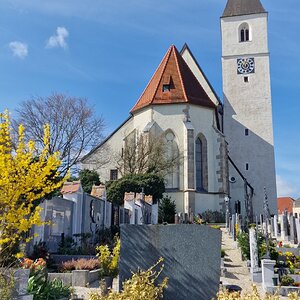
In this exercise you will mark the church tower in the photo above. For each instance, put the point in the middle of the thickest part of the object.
(247, 102)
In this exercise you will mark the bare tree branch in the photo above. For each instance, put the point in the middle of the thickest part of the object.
(74, 127)
(147, 153)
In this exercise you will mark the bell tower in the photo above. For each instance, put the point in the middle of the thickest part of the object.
(248, 123)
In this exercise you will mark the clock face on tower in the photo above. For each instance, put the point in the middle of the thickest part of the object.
(245, 65)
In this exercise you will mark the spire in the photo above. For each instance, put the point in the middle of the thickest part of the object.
(243, 7)
(173, 82)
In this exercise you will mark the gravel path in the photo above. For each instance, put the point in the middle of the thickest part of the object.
(237, 272)
(84, 292)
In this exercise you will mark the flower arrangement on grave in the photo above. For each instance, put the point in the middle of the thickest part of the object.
(109, 260)
(290, 261)
(33, 265)
(287, 281)
(80, 264)
(38, 283)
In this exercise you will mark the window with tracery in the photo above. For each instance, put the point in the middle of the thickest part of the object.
(172, 153)
(244, 32)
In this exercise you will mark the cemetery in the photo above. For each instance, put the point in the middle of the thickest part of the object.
(271, 250)
(118, 250)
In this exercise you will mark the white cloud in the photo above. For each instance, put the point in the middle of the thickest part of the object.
(284, 188)
(58, 40)
(19, 49)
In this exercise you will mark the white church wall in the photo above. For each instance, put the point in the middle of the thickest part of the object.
(206, 202)
(105, 157)
(172, 117)
(203, 122)
(237, 190)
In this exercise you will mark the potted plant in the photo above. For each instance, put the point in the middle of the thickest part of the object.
(109, 263)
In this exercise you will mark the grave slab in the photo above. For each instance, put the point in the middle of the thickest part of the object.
(192, 256)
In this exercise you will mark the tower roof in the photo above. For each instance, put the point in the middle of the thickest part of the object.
(173, 82)
(243, 7)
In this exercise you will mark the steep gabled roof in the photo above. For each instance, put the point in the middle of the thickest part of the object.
(285, 203)
(190, 59)
(71, 187)
(183, 86)
(243, 7)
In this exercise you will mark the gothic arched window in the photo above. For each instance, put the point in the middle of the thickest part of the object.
(201, 164)
(172, 154)
(244, 33)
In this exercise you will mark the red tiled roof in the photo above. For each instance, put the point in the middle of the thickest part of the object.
(285, 203)
(70, 187)
(184, 86)
(98, 190)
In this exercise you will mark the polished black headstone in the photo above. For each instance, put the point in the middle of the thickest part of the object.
(192, 256)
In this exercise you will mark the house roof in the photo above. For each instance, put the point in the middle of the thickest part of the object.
(242, 7)
(71, 187)
(182, 85)
(186, 49)
(98, 190)
(285, 203)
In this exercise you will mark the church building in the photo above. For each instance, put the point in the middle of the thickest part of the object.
(226, 147)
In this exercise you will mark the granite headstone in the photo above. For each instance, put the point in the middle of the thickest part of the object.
(275, 226)
(293, 230)
(192, 257)
(297, 223)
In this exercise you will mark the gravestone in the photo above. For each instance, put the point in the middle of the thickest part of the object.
(268, 223)
(261, 222)
(297, 224)
(192, 257)
(272, 227)
(293, 232)
(255, 270)
(233, 227)
(275, 226)
(283, 227)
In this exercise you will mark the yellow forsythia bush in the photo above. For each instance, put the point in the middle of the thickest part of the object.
(26, 177)
(141, 286)
(109, 261)
(254, 295)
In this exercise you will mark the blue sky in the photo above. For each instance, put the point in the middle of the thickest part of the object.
(107, 51)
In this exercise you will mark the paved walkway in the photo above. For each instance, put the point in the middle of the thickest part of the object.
(237, 272)
(84, 292)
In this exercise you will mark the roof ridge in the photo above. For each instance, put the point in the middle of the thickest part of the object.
(242, 7)
(168, 54)
(192, 75)
(186, 89)
(180, 76)
(149, 82)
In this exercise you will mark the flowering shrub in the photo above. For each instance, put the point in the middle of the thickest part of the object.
(80, 264)
(140, 286)
(25, 178)
(7, 284)
(254, 295)
(109, 260)
(33, 265)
